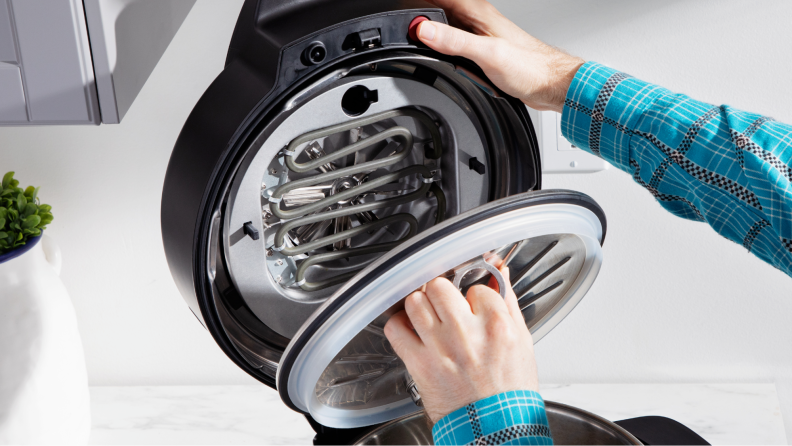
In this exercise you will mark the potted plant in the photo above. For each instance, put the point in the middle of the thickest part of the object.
(43, 382)
(22, 218)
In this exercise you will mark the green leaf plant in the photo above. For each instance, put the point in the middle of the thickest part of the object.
(21, 215)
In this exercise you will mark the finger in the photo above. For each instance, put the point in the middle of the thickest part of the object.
(421, 313)
(484, 300)
(455, 42)
(511, 299)
(447, 300)
(402, 338)
(495, 260)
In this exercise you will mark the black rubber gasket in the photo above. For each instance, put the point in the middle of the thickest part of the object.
(419, 242)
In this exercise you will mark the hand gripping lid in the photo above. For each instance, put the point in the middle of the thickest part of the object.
(341, 369)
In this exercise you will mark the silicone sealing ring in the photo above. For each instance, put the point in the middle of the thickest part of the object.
(412, 30)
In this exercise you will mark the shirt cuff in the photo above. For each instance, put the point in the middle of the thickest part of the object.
(515, 417)
(601, 109)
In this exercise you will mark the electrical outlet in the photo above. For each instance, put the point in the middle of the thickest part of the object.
(558, 154)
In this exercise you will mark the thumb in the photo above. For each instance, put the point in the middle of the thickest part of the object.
(453, 41)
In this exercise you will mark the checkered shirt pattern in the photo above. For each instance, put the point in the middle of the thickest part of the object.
(516, 417)
(714, 164)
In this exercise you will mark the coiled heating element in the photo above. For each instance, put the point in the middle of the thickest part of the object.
(312, 206)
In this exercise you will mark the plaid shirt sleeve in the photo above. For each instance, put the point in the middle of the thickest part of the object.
(516, 417)
(713, 164)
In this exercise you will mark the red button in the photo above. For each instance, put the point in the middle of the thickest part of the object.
(413, 28)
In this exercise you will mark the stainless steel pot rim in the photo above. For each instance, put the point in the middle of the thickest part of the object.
(628, 437)
(584, 416)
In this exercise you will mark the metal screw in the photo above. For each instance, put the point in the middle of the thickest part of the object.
(278, 279)
(269, 253)
(273, 171)
(263, 186)
(279, 262)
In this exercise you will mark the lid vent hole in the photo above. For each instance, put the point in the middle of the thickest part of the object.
(358, 99)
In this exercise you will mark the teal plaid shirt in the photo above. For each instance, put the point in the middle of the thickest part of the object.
(516, 417)
(714, 164)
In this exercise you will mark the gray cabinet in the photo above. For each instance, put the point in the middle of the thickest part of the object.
(51, 72)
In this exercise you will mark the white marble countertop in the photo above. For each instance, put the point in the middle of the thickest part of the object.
(721, 413)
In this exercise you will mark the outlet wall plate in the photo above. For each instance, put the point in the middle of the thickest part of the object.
(558, 154)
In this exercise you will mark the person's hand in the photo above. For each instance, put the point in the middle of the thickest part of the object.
(463, 350)
(519, 64)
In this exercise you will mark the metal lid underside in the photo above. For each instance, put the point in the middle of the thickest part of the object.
(339, 367)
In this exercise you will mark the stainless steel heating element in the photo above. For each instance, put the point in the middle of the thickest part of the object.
(326, 202)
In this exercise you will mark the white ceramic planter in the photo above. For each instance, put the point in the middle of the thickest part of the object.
(43, 384)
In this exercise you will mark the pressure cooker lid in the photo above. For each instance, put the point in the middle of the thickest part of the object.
(340, 368)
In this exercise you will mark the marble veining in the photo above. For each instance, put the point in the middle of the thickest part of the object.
(721, 413)
(194, 415)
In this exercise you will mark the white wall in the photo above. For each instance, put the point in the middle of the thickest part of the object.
(675, 302)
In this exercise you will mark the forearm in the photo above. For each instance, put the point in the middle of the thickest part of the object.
(516, 417)
(713, 164)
